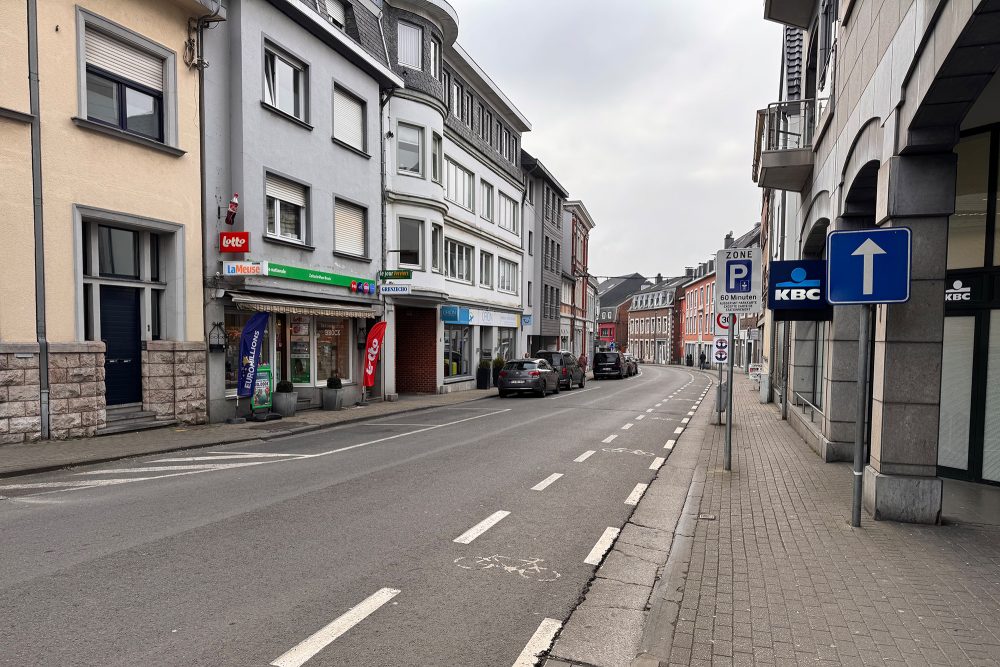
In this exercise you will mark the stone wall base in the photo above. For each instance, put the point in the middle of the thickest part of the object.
(902, 498)
(828, 450)
(174, 381)
(77, 407)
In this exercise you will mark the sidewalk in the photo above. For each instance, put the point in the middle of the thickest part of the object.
(764, 567)
(22, 459)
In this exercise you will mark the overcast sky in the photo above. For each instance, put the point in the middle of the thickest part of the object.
(643, 109)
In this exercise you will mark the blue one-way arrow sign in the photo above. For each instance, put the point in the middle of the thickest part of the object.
(868, 266)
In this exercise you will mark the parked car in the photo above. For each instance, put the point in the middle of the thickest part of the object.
(633, 364)
(567, 367)
(535, 375)
(610, 364)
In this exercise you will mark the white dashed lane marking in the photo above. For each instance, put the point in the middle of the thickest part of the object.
(608, 440)
(627, 426)
(657, 462)
(602, 546)
(640, 418)
(583, 457)
(678, 430)
(481, 527)
(670, 444)
(538, 643)
(633, 498)
(541, 486)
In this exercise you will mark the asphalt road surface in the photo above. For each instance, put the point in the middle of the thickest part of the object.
(454, 536)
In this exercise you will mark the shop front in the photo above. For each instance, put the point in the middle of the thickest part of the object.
(474, 334)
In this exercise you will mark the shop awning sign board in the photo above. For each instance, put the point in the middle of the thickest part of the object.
(395, 290)
(275, 270)
(395, 274)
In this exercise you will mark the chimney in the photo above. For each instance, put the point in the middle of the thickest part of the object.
(728, 242)
(659, 278)
(689, 272)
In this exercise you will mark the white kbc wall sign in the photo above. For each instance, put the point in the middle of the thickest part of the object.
(737, 281)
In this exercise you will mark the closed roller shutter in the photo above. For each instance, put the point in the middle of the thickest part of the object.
(335, 10)
(349, 228)
(123, 59)
(279, 188)
(410, 45)
(348, 119)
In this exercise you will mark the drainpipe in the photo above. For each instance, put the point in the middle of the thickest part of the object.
(786, 344)
(36, 193)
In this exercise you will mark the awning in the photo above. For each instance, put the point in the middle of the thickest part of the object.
(268, 304)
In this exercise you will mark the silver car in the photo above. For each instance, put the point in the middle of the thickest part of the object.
(534, 375)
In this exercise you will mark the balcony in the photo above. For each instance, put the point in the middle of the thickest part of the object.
(783, 154)
(796, 13)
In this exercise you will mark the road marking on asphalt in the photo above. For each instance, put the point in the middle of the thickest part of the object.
(659, 405)
(633, 498)
(195, 466)
(324, 637)
(221, 456)
(608, 440)
(691, 414)
(538, 643)
(573, 393)
(627, 426)
(388, 424)
(640, 418)
(685, 420)
(657, 462)
(583, 457)
(481, 527)
(545, 482)
(69, 485)
(670, 444)
(603, 544)
(678, 430)
(649, 410)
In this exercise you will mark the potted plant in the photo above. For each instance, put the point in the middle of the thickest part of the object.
(333, 394)
(483, 375)
(285, 399)
(498, 364)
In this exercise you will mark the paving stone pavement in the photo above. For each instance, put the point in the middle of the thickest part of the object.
(778, 576)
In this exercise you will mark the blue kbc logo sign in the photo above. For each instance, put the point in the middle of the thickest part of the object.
(796, 290)
(738, 278)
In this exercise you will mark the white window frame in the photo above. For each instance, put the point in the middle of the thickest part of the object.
(437, 256)
(463, 259)
(486, 269)
(276, 233)
(507, 214)
(509, 283)
(341, 202)
(486, 200)
(420, 149)
(420, 250)
(452, 172)
(436, 58)
(301, 70)
(437, 158)
(342, 93)
(403, 25)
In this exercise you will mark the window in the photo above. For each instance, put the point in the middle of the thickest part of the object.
(507, 280)
(456, 100)
(349, 228)
(118, 252)
(124, 85)
(488, 128)
(286, 207)
(486, 269)
(411, 242)
(348, 119)
(508, 214)
(467, 109)
(486, 203)
(459, 260)
(459, 184)
(457, 350)
(333, 348)
(335, 12)
(437, 246)
(531, 194)
(436, 155)
(505, 145)
(436, 58)
(531, 242)
(235, 320)
(409, 149)
(529, 293)
(284, 84)
(411, 45)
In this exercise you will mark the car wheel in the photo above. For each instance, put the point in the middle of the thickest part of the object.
(569, 384)
(502, 394)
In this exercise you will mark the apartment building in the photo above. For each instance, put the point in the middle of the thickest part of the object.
(651, 321)
(577, 225)
(292, 124)
(546, 197)
(698, 318)
(454, 197)
(613, 298)
(887, 116)
(101, 321)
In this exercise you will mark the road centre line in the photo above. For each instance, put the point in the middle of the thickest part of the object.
(574, 393)
(670, 444)
(685, 420)
(222, 457)
(200, 467)
(657, 462)
(691, 414)
(468, 536)
(602, 546)
(583, 457)
(608, 440)
(538, 643)
(388, 424)
(678, 430)
(640, 418)
(633, 498)
(545, 482)
(659, 404)
(312, 645)
(649, 410)
(627, 426)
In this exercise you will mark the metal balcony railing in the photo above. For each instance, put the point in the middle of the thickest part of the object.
(784, 126)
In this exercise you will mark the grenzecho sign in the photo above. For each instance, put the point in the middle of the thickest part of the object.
(737, 281)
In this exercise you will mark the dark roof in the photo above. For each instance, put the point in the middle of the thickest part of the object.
(531, 163)
(749, 239)
(620, 292)
(793, 62)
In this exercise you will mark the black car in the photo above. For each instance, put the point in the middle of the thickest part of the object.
(567, 368)
(610, 364)
(535, 375)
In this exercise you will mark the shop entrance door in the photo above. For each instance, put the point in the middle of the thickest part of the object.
(120, 333)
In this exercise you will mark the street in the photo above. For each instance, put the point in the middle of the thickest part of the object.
(446, 536)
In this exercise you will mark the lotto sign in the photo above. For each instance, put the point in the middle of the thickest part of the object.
(720, 350)
(737, 281)
(234, 241)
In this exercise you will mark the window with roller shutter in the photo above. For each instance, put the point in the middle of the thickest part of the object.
(410, 45)
(349, 229)
(286, 208)
(336, 13)
(348, 119)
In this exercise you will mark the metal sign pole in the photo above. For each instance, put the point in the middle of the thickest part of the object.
(729, 398)
(859, 415)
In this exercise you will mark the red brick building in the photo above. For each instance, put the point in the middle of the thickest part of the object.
(651, 326)
(698, 318)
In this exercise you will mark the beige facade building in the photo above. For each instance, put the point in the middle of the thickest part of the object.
(100, 268)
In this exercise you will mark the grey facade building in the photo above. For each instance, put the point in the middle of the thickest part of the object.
(292, 124)
(891, 122)
(547, 197)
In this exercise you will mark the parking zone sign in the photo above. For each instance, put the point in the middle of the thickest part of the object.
(737, 281)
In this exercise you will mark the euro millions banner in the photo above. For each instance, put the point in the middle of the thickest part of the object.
(251, 344)
(376, 336)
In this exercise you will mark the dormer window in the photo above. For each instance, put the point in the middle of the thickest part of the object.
(335, 13)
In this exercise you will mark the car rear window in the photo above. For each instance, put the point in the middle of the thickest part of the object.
(605, 358)
(553, 358)
(521, 366)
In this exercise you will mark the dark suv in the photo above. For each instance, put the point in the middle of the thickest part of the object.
(610, 364)
(566, 367)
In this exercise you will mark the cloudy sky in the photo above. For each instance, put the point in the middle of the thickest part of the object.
(644, 109)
